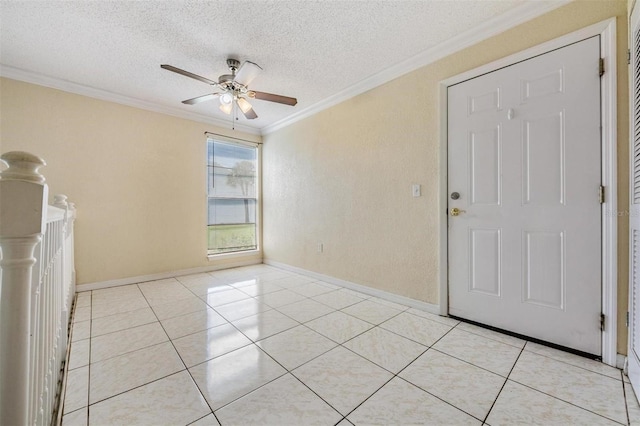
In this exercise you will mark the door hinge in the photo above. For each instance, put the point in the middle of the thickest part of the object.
(628, 56)
(601, 322)
(601, 194)
(627, 321)
(601, 67)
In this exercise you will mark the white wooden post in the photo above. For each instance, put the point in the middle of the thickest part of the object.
(23, 204)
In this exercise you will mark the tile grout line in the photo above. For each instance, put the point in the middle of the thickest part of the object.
(180, 356)
(552, 396)
(624, 394)
(90, 345)
(484, 421)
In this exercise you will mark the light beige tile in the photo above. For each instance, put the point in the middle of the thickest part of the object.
(192, 323)
(82, 314)
(209, 420)
(249, 281)
(421, 330)
(296, 346)
(385, 348)
(338, 299)
(486, 353)
(176, 395)
(339, 326)
(179, 307)
(342, 378)
(312, 289)
(77, 418)
(230, 376)
(280, 298)
(490, 334)
(260, 288)
(578, 361)
(103, 309)
(385, 302)
(462, 385)
(355, 293)
(133, 369)
(219, 298)
(164, 291)
(433, 317)
(264, 324)
(633, 408)
(81, 331)
(83, 299)
(241, 309)
(372, 312)
(293, 281)
(205, 345)
(401, 403)
(285, 401)
(305, 310)
(122, 321)
(79, 356)
(519, 405)
(272, 275)
(592, 391)
(77, 392)
(116, 300)
(129, 340)
(202, 283)
(116, 294)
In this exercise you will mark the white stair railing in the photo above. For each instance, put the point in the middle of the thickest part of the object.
(37, 285)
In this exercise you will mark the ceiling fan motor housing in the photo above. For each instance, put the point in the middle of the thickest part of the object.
(233, 64)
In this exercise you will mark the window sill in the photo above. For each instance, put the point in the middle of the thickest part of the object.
(234, 255)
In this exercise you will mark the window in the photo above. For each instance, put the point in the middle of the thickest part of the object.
(232, 174)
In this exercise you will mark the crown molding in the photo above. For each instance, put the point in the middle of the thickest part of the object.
(487, 29)
(92, 92)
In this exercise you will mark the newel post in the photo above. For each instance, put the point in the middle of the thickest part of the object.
(23, 204)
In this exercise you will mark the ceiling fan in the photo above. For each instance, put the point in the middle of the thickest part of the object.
(233, 88)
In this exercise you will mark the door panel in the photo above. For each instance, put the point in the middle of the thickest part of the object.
(524, 154)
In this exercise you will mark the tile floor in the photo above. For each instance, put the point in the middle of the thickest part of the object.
(259, 345)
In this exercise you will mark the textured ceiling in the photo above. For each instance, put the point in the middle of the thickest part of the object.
(308, 49)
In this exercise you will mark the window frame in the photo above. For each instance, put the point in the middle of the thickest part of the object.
(258, 205)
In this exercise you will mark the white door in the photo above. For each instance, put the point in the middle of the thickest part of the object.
(633, 352)
(525, 172)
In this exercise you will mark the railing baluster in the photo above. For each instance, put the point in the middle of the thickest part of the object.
(38, 283)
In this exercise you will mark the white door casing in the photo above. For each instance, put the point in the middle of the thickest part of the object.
(524, 155)
(633, 352)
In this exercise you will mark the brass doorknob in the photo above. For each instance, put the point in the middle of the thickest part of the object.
(456, 211)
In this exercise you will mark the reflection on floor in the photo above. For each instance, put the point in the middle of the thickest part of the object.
(260, 345)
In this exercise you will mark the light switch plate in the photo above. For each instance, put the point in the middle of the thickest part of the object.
(415, 190)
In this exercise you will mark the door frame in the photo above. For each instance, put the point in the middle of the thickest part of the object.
(608, 104)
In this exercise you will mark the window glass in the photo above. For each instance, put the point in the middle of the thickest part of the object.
(232, 182)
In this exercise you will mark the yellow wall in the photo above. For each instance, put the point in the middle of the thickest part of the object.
(342, 177)
(137, 178)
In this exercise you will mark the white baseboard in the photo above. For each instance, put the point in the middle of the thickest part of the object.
(163, 275)
(621, 362)
(423, 306)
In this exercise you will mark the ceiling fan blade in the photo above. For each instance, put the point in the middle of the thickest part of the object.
(199, 99)
(188, 74)
(246, 109)
(273, 98)
(247, 72)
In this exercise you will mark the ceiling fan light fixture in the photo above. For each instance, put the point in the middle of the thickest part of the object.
(226, 99)
(244, 105)
(226, 108)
